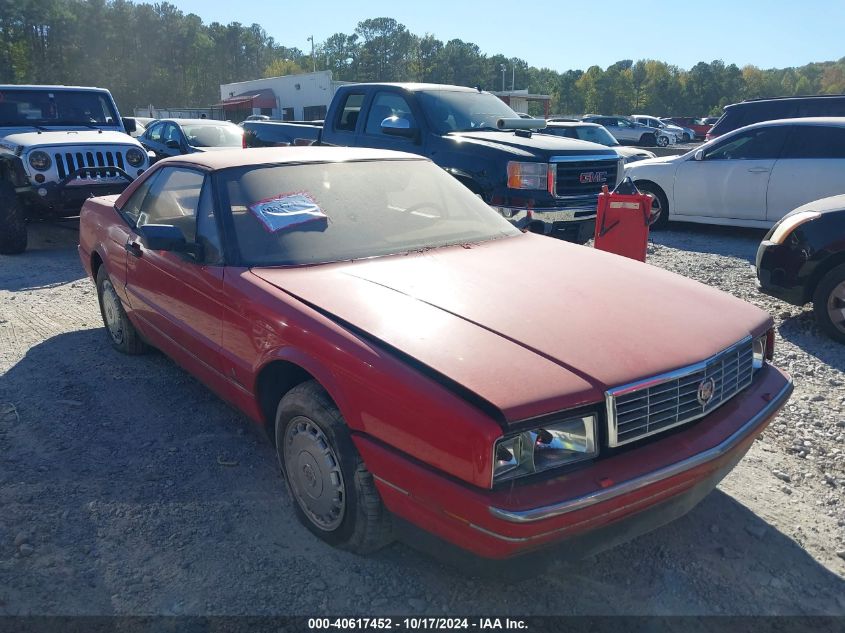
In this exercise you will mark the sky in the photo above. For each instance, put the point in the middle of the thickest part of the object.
(572, 35)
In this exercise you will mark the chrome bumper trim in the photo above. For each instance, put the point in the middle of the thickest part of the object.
(606, 494)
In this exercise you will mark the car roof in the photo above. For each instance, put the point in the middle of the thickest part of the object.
(571, 124)
(838, 121)
(413, 87)
(51, 88)
(239, 157)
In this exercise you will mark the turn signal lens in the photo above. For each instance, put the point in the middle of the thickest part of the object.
(528, 175)
(763, 349)
(790, 223)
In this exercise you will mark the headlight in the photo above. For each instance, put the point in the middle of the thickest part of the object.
(134, 157)
(544, 448)
(763, 349)
(789, 224)
(40, 160)
(528, 175)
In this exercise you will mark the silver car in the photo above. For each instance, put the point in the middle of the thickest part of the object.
(629, 132)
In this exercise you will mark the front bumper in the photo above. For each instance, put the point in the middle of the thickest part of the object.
(71, 192)
(778, 269)
(570, 224)
(606, 502)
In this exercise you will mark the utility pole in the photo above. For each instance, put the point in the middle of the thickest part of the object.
(513, 77)
(503, 68)
(313, 59)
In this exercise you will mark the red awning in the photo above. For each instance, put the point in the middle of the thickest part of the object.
(265, 98)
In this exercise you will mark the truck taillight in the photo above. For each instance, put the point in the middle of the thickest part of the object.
(243, 141)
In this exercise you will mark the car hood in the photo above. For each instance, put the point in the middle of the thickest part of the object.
(537, 141)
(530, 324)
(627, 152)
(68, 137)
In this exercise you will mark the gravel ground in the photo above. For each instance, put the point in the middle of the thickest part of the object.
(127, 488)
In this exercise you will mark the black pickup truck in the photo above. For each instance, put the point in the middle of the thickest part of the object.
(542, 183)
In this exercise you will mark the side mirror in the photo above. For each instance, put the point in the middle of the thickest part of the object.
(166, 237)
(699, 155)
(129, 125)
(395, 126)
(171, 144)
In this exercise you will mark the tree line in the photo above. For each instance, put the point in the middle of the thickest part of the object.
(155, 53)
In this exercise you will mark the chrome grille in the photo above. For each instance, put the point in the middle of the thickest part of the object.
(69, 161)
(662, 402)
(568, 179)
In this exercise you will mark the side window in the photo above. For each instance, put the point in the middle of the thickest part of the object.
(822, 107)
(347, 118)
(171, 133)
(387, 104)
(758, 144)
(208, 230)
(173, 200)
(815, 141)
(623, 123)
(154, 132)
(132, 208)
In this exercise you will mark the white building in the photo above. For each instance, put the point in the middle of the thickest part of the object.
(303, 97)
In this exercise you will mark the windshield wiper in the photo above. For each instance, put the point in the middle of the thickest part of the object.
(481, 128)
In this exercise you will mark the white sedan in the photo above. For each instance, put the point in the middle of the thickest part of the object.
(750, 177)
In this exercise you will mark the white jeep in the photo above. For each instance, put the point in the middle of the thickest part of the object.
(58, 146)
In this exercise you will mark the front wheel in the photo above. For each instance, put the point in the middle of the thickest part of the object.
(662, 141)
(829, 303)
(123, 335)
(13, 238)
(686, 138)
(659, 205)
(333, 492)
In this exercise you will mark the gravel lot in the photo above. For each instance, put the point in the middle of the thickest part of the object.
(126, 487)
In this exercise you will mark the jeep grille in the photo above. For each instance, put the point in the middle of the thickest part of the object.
(69, 162)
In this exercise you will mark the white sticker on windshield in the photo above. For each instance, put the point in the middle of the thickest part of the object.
(287, 210)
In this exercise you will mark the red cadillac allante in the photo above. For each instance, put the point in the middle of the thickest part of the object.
(413, 355)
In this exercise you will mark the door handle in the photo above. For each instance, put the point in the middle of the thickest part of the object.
(133, 248)
(759, 170)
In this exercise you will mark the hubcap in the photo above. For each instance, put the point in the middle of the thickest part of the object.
(656, 210)
(836, 307)
(313, 471)
(111, 312)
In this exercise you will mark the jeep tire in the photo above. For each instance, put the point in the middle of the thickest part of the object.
(12, 221)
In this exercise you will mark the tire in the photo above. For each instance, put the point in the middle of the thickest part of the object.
(662, 141)
(686, 138)
(13, 237)
(658, 199)
(829, 303)
(649, 140)
(122, 334)
(333, 493)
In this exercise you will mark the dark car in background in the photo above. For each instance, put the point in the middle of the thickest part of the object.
(745, 113)
(174, 137)
(802, 260)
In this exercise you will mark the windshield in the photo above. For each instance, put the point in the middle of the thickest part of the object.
(59, 107)
(291, 215)
(213, 135)
(596, 135)
(460, 111)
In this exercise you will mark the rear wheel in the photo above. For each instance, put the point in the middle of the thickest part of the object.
(123, 335)
(333, 492)
(648, 140)
(13, 236)
(686, 138)
(659, 205)
(829, 303)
